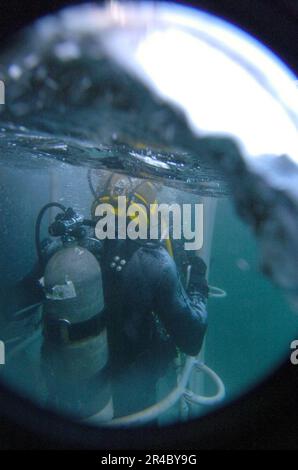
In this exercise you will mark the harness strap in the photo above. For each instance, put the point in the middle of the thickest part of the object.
(62, 331)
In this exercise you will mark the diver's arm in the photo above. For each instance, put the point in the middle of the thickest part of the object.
(184, 316)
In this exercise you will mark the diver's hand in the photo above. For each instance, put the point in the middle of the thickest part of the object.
(198, 286)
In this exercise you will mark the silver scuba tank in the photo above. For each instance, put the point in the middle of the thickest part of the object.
(74, 351)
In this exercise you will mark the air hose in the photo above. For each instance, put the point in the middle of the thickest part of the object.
(151, 413)
(89, 178)
(217, 292)
(38, 226)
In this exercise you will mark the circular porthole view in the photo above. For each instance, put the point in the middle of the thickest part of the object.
(147, 198)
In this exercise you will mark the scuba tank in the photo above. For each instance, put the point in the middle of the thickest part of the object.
(74, 351)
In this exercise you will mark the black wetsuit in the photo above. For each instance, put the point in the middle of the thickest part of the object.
(149, 314)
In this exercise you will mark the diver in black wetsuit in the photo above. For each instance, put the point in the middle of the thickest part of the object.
(149, 314)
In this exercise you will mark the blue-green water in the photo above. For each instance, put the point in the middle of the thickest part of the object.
(250, 330)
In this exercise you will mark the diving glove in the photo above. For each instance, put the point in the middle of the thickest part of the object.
(198, 289)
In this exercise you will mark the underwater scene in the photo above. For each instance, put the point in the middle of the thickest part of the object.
(249, 328)
(130, 290)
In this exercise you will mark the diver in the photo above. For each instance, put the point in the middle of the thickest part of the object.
(115, 313)
(148, 312)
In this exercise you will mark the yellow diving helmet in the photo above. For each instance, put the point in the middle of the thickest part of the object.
(141, 199)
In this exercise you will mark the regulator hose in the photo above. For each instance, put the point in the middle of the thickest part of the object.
(89, 178)
(38, 226)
